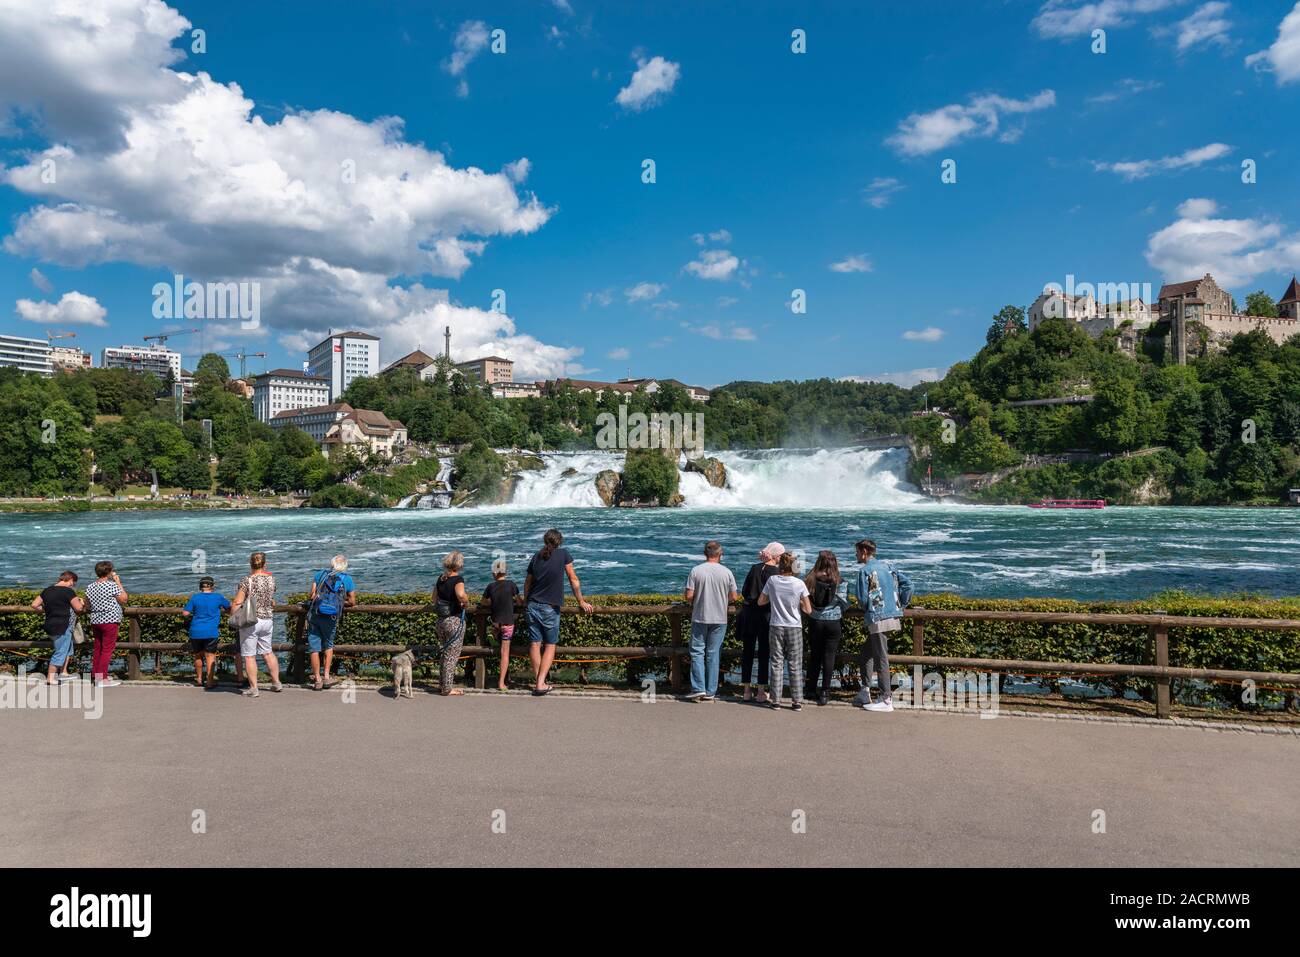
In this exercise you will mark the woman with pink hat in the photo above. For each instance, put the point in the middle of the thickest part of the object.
(752, 620)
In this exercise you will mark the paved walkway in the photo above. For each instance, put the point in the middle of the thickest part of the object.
(305, 778)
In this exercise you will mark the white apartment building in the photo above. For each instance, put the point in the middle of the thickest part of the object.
(30, 355)
(315, 421)
(156, 359)
(69, 357)
(283, 390)
(342, 357)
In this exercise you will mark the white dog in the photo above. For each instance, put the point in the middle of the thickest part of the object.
(402, 665)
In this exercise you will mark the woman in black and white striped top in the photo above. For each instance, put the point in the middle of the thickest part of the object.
(106, 597)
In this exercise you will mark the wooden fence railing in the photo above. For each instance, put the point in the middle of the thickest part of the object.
(1158, 668)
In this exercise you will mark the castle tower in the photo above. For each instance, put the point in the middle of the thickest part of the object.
(1289, 305)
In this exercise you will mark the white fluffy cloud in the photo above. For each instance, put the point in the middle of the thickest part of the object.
(174, 171)
(717, 264)
(1283, 57)
(923, 133)
(1063, 19)
(653, 80)
(643, 291)
(73, 309)
(1141, 169)
(1207, 24)
(1234, 251)
(722, 236)
(852, 264)
(471, 39)
(928, 334)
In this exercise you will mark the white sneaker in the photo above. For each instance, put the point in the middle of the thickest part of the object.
(879, 706)
(695, 696)
(109, 683)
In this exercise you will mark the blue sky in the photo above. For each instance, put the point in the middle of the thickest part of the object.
(775, 171)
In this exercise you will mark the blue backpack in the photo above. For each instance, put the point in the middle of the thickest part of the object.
(329, 596)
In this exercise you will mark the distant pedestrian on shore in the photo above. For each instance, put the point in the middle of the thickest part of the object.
(827, 594)
(499, 596)
(710, 590)
(543, 597)
(883, 592)
(61, 606)
(752, 621)
(106, 598)
(332, 590)
(787, 595)
(258, 586)
(449, 601)
(204, 612)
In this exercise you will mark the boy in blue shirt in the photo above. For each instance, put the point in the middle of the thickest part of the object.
(204, 611)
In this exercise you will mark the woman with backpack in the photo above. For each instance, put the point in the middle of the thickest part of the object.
(332, 590)
(449, 603)
(827, 594)
(752, 621)
(883, 592)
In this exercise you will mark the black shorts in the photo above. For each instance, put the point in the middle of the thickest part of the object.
(204, 645)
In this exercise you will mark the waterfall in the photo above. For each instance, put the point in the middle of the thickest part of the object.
(774, 478)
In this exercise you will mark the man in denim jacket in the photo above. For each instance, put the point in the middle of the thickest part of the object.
(883, 592)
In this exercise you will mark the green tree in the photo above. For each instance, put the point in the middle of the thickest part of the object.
(650, 477)
(1260, 303)
(194, 473)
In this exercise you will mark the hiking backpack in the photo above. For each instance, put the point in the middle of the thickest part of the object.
(329, 597)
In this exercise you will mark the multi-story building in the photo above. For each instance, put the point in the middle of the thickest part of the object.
(282, 390)
(70, 358)
(698, 393)
(162, 362)
(342, 357)
(1202, 301)
(419, 362)
(29, 355)
(380, 434)
(489, 370)
(516, 390)
(315, 421)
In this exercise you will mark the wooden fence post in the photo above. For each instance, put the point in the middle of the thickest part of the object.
(298, 663)
(675, 662)
(133, 654)
(1160, 642)
(480, 663)
(918, 636)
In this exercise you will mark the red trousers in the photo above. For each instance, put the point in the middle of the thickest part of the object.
(105, 641)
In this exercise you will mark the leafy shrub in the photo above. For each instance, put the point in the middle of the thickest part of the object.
(649, 476)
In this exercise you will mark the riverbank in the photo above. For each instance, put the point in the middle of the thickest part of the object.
(45, 506)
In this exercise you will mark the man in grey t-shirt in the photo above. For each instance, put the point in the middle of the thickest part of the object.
(710, 589)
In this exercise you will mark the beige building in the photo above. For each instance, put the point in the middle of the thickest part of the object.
(374, 430)
(315, 421)
(283, 390)
(489, 370)
(1203, 301)
(70, 358)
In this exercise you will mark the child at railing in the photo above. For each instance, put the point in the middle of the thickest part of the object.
(204, 612)
(500, 596)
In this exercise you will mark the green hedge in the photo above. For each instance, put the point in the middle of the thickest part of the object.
(1234, 648)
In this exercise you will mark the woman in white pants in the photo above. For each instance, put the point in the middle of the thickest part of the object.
(255, 639)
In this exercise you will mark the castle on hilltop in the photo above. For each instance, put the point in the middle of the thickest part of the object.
(1193, 317)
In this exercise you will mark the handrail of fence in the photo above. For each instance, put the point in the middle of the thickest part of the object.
(1158, 668)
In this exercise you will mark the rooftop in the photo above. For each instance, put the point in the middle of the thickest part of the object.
(288, 374)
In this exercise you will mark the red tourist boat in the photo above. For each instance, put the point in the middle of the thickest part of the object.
(1069, 503)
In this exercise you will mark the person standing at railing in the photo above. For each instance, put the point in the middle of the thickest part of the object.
(332, 590)
(752, 622)
(883, 592)
(710, 590)
(106, 598)
(61, 606)
(449, 602)
(204, 611)
(827, 593)
(543, 597)
(787, 595)
(258, 586)
(499, 596)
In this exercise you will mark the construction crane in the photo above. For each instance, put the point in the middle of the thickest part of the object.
(51, 335)
(162, 337)
(241, 355)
